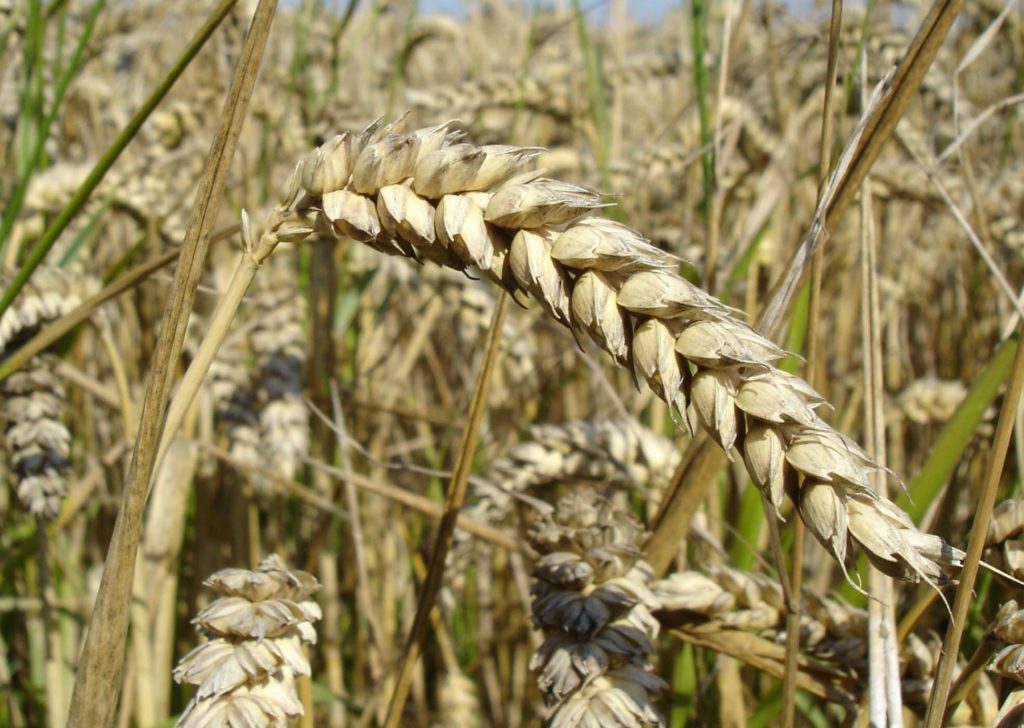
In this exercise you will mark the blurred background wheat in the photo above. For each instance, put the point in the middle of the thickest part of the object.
(608, 567)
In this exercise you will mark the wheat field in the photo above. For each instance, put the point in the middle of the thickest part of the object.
(569, 364)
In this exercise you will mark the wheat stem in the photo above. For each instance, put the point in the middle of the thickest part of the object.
(102, 661)
(975, 545)
(455, 498)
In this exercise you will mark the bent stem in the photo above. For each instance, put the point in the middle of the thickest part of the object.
(446, 529)
(975, 546)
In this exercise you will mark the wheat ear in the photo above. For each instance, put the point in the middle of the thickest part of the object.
(426, 196)
(734, 599)
(590, 599)
(32, 400)
(258, 627)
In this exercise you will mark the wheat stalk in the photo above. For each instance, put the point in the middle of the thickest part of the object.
(426, 196)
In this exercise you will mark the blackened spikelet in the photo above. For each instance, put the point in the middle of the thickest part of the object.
(38, 441)
(590, 598)
(32, 399)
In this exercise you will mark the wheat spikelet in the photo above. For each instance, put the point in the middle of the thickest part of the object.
(502, 92)
(830, 631)
(611, 453)
(1006, 530)
(518, 378)
(49, 294)
(930, 400)
(426, 196)
(616, 453)
(458, 704)
(258, 628)
(639, 68)
(590, 598)
(919, 658)
(235, 400)
(750, 602)
(37, 440)
(1009, 628)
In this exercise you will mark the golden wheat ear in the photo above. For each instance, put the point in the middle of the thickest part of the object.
(424, 196)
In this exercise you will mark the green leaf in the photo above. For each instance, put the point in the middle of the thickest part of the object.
(957, 433)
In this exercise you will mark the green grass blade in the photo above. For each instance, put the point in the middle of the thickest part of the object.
(957, 433)
(105, 162)
(35, 155)
(595, 92)
(700, 83)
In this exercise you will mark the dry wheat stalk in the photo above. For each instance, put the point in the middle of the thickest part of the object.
(37, 440)
(590, 599)
(426, 196)
(919, 659)
(258, 628)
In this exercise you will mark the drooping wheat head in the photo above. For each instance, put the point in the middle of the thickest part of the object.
(426, 196)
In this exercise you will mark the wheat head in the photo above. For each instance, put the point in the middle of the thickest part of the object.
(258, 628)
(427, 196)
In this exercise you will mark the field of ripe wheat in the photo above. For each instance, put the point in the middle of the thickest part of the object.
(569, 364)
